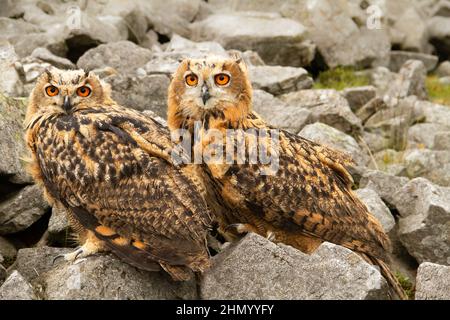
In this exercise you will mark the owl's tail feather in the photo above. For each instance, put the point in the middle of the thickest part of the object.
(388, 275)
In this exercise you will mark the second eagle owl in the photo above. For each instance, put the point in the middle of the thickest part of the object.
(307, 201)
(109, 168)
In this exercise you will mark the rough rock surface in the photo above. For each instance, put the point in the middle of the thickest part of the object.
(12, 144)
(105, 277)
(278, 80)
(385, 185)
(377, 207)
(326, 106)
(255, 268)
(431, 164)
(278, 113)
(17, 287)
(20, 210)
(359, 96)
(433, 282)
(261, 33)
(424, 226)
(410, 81)
(398, 59)
(324, 134)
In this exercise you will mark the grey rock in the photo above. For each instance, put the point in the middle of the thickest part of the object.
(377, 208)
(252, 58)
(411, 24)
(424, 226)
(370, 108)
(17, 288)
(424, 135)
(58, 227)
(439, 34)
(32, 262)
(10, 81)
(132, 85)
(392, 123)
(442, 141)
(7, 250)
(339, 29)
(12, 144)
(382, 78)
(357, 97)
(431, 112)
(385, 185)
(444, 80)
(170, 17)
(326, 106)
(25, 37)
(261, 33)
(279, 114)
(194, 49)
(374, 142)
(385, 158)
(123, 56)
(433, 282)
(20, 210)
(105, 277)
(255, 268)
(278, 80)
(2, 271)
(444, 69)
(335, 139)
(410, 81)
(45, 55)
(431, 164)
(398, 59)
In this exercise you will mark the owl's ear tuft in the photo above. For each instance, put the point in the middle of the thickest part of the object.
(237, 58)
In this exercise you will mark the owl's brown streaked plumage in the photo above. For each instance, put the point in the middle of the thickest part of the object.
(307, 201)
(108, 167)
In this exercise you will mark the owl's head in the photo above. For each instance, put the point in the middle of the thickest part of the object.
(66, 91)
(215, 86)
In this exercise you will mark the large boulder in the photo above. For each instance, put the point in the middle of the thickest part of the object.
(10, 80)
(12, 144)
(384, 184)
(278, 80)
(433, 282)
(327, 106)
(344, 32)
(377, 208)
(410, 81)
(256, 268)
(431, 164)
(125, 65)
(278, 113)
(17, 287)
(335, 139)
(101, 276)
(398, 58)
(20, 210)
(427, 135)
(425, 220)
(279, 41)
(357, 97)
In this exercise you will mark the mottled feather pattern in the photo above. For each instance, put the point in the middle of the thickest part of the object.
(109, 167)
(308, 200)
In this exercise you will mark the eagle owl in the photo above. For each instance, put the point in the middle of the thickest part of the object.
(110, 168)
(306, 201)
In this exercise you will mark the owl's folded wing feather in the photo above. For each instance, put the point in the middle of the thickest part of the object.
(145, 210)
(310, 193)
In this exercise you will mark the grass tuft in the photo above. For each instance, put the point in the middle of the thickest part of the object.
(340, 78)
(406, 284)
(437, 92)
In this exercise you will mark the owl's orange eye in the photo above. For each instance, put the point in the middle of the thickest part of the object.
(52, 91)
(83, 91)
(222, 79)
(191, 80)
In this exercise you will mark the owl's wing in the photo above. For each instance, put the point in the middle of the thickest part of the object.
(309, 193)
(143, 208)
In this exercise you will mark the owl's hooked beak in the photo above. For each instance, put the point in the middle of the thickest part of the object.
(67, 105)
(205, 94)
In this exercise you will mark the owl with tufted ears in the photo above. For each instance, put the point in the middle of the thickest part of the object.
(309, 198)
(109, 168)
